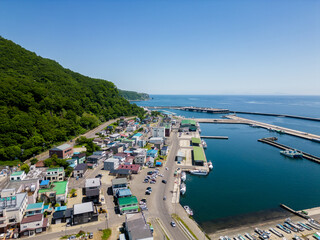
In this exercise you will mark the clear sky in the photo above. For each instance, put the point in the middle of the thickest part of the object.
(177, 47)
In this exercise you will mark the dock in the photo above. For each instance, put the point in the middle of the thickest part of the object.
(294, 212)
(272, 142)
(215, 137)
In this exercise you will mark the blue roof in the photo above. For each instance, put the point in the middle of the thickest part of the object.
(137, 135)
(62, 208)
(44, 182)
(34, 205)
(124, 192)
(153, 151)
(158, 163)
(127, 151)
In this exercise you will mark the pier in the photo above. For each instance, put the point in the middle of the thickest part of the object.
(294, 212)
(271, 141)
(215, 137)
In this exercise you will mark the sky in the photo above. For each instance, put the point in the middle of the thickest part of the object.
(177, 47)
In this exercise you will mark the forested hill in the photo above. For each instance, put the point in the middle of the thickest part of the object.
(42, 103)
(134, 96)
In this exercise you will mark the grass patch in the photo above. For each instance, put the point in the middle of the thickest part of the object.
(106, 233)
(177, 218)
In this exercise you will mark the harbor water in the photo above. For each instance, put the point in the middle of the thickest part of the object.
(250, 179)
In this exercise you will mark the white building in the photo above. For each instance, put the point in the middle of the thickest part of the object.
(18, 176)
(111, 164)
(158, 132)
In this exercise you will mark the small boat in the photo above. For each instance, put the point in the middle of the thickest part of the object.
(280, 131)
(276, 232)
(188, 210)
(254, 126)
(292, 153)
(288, 220)
(271, 129)
(240, 237)
(210, 165)
(183, 176)
(249, 236)
(183, 188)
(283, 228)
(199, 172)
(305, 226)
(204, 144)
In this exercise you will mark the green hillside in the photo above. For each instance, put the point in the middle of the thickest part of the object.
(134, 96)
(42, 103)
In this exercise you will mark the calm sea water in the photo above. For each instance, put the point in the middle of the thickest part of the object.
(250, 179)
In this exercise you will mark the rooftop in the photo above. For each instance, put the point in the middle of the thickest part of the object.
(127, 201)
(83, 208)
(35, 206)
(18, 173)
(124, 192)
(81, 166)
(44, 182)
(198, 154)
(34, 218)
(62, 147)
(58, 187)
(188, 122)
(119, 181)
(92, 182)
(195, 140)
(60, 169)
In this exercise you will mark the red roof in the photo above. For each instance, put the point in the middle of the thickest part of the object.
(39, 164)
(34, 218)
(133, 167)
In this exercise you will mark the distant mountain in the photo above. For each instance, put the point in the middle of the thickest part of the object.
(42, 103)
(134, 96)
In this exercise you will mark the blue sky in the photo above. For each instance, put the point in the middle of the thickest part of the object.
(177, 47)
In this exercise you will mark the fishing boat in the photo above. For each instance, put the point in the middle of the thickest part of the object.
(183, 176)
(188, 210)
(204, 144)
(183, 188)
(249, 236)
(292, 153)
(276, 232)
(283, 228)
(199, 172)
(210, 165)
(280, 131)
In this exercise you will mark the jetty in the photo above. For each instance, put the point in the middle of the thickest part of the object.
(215, 137)
(272, 142)
(294, 212)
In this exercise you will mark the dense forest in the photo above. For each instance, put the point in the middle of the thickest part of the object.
(42, 103)
(134, 96)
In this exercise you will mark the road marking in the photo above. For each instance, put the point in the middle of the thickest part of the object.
(162, 227)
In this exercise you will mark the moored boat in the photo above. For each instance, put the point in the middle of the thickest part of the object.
(292, 153)
(183, 176)
(188, 210)
(199, 172)
(183, 188)
(210, 165)
(204, 144)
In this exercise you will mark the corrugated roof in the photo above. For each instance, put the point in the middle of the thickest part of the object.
(82, 208)
(129, 208)
(119, 181)
(17, 173)
(124, 192)
(34, 218)
(198, 154)
(127, 200)
(188, 122)
(195, 140)
(62, 147)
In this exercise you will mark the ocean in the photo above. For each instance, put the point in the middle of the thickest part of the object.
(250, 179)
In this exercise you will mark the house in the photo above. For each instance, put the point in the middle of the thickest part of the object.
(18, 176)
(141, 143)
(121, 156)
(79, 157)
(137, 227)
(180, 156)
(94, 160)
(55, 193)
(12, 208)
(128, 205)
(116, 149)
(137, 137)
(158, 132)
(29, 186)
(152, 153)
(167, 130)
(124, 193)
(35, 173)
(135, 168)
(164, 150)
(111, 164)
(72, 162)
(129, 160)
(55, 174)
(44, 184)
(40, 164)
(131, 128)
(198, 156)
(114, 136)
(63, 151)
(62, 216)
(158, 142)
(92, 190)
(34, 208)
(195, 142)
(140, 159)
(84, 213)
(100, 153)
(79, 170)
(150, 162)
(121, 173)
(119, 183)
(33, 225)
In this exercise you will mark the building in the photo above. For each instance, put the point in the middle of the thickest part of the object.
(79, 170)
(189, 125)
(55, 174)
(124, 193)
(111, 164)
(62, 215)
(135, 168)
(79, 157)
(141, 143)
(54, 193)
(157, 141)
(18, 176)
(12, 208)
(84, 213)
(152, 153)
(180, 156)
(128, 205)
(198, 156)
(158, 132)
(33, 225)
(114, 136)
(121, 156)
(137, 227)
(94, 160)
(119, 183)
(195, 141)
(92, 190)
(34, 208)
(140, 159)
(63, 151)
(164, 150)
(150, 162)
(117, 148)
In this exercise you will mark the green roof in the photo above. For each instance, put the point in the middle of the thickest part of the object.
(188, 122)
(195, 140)
(198, 154)
(128, 201)
(129, 208)
(17, 173)
(58, 187)
(55, 169)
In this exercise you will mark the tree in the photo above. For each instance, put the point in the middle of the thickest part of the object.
(25, 167)
(34, 161)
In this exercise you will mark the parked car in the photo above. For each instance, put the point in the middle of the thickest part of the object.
(99, 176)
(164, 181)
(146, 181)
(91, 235)
(148, 192)
(173, 224)
(150, 172)
(149, 188)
